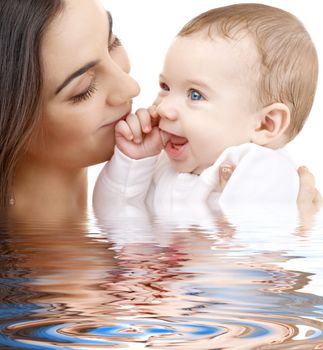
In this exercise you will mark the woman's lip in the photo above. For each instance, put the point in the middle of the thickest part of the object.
(116, 121)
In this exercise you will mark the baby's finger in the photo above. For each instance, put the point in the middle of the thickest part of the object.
(144, 119)
(122, 129)
(153, 111)
(225, 171)
(154, 115)
(135, 127)
(165, 137)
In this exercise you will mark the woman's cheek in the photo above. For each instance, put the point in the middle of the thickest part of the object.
(86, 121)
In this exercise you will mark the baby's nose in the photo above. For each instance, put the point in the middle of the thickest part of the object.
(166, 110)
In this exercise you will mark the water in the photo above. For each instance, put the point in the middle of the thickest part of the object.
(159, 283)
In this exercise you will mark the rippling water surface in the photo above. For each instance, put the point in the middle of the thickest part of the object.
(158, 283)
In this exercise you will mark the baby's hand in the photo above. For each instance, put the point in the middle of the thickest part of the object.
(139, 136)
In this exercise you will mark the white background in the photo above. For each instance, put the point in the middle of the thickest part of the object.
(146, 28)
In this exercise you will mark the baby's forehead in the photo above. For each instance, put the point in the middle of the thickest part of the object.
(217, 59)
(241, 42)
(241, 38)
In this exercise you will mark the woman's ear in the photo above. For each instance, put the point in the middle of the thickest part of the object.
(272, 123)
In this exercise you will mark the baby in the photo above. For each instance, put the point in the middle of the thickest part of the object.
(238, 83)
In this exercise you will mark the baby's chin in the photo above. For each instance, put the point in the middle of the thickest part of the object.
(182, 167)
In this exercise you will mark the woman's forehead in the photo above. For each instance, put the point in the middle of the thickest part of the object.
(77, 36)
(78, 19)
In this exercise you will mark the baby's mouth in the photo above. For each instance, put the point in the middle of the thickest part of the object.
(174, 145)
(177, 141)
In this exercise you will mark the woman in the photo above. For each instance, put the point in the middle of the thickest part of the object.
(64, 84)
(58, 109)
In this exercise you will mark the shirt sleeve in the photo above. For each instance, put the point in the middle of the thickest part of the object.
(122, 180)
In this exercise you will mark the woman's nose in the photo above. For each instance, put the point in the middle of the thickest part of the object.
(122, 87)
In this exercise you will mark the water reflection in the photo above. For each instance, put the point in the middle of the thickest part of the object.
(141, 281)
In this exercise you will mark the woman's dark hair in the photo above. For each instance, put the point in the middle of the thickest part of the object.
(22, 25)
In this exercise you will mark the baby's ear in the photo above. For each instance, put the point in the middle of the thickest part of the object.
(273, 121)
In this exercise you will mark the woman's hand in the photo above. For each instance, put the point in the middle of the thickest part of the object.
(309, 200)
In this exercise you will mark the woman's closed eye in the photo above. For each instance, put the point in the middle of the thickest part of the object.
(195, 95)
(83, 96)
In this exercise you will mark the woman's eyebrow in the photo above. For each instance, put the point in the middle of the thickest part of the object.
(76, 74)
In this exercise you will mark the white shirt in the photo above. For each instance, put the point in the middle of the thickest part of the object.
(264, 180)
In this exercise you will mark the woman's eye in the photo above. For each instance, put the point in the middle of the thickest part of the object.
(195, 95)
(85, 95)
(164, 86)
(114, 43)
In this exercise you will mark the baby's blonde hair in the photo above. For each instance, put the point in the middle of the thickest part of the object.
(289, 63)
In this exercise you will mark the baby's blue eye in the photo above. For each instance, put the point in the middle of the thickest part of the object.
(195, 95)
